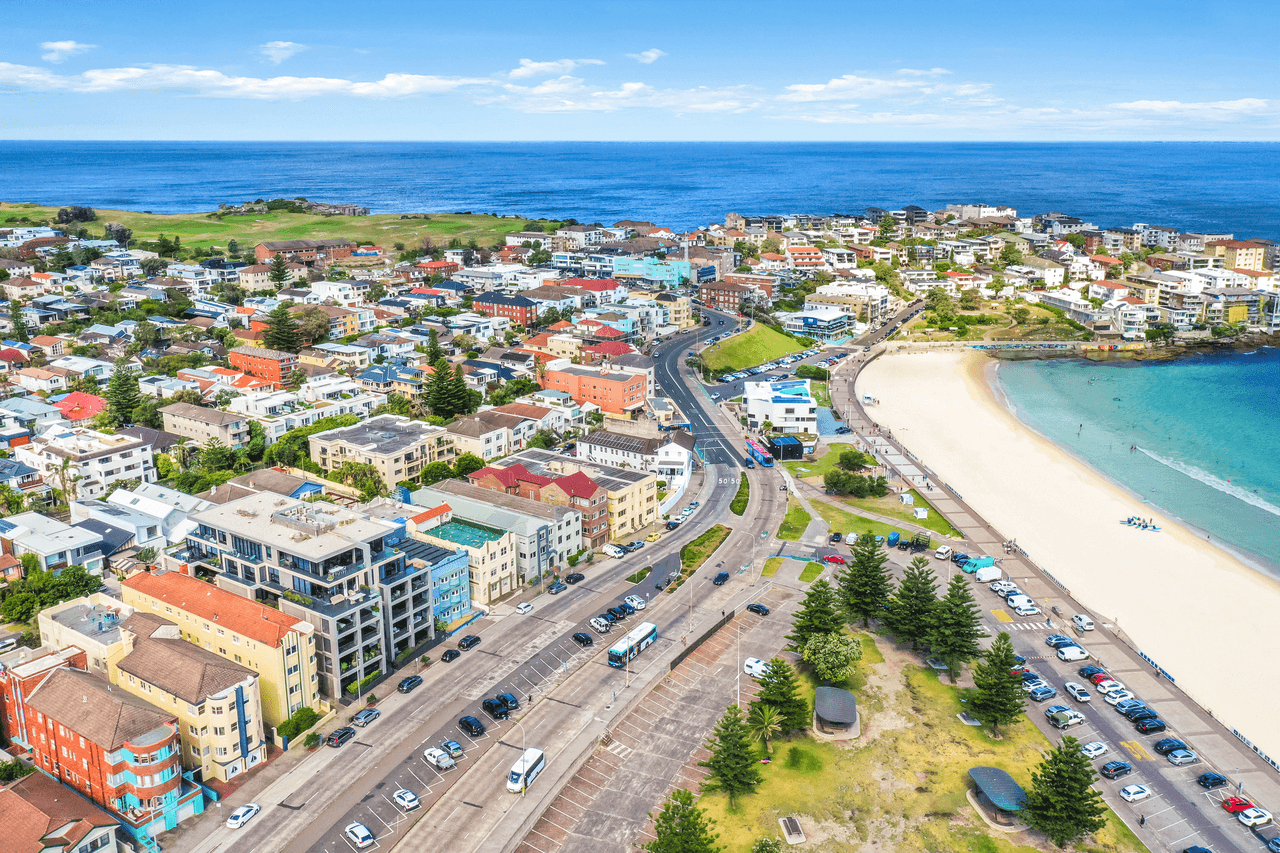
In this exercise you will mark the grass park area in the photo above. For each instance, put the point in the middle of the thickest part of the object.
(203, 230)
(756, 346)
(795, 523)
(901, 785)
(693, 555)
(847, 523)
(640, 575)
(825, 464)
(771, 567)
(811, 572)
(894, 508)
(821, 394)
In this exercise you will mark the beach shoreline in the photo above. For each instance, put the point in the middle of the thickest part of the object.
(1193, 606)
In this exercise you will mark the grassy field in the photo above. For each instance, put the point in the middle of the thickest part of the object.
(894, 508)
(811, 572)
(825, 464)
(203, 230)
(900, 786)
(693, 555)
(756, 346)
(771, 567)
(796, 521)
(848, 523)
(821, 395)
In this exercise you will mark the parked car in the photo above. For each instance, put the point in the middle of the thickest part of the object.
(1055, 641)
(1115, 697)
(1235, 805)
(452, 747)
(340, 736)
(1182, 757)
(833, 558)
(1150, 726)
(1254, 816)
(721, 578)
(524, 607)
(1135, 715)
(837, 536)
(574, 577)
(1042, 693)
(365, 717)
(1094, 748)
(1164, 746)
(1090, 670)
(635, 601)
(600, 626)
(1128, 705)
(359, 835)
(407, 685)
(754, 667)
(1082, 622)
(406, 799)
(1110, 685)
(468, 642)
(556, 588)
(1116, 769)
(1211, 780)
(438, 758)
(583, 639)
(1133, 793)
(1077, 692)
(471, 726)
(450, 655)
(1072, 653)
(243, 815)
(510, 700)
(617, 613)
(758, 609)
(607, 617)
(495, 709)
(1027, 610)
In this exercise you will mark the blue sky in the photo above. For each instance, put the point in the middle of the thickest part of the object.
(639, 71)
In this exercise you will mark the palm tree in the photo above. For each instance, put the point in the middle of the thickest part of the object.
(764, 723)
(180, 453)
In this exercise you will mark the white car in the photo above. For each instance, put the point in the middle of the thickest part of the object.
(1254, 817)
(406, 800)
(1077, 692)
(243, 815)
(1094, 748)
(1027, 610)
(438, 758)
(754, 667)
(1083, 622)
(1072, 653)
(1001, 586)
(524, 607)
(635, 601)
(359, 835)
(1105, 687)
(1028, 686)
(1133, 793)
(1115, 697)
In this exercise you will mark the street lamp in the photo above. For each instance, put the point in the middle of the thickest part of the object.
(525, 786)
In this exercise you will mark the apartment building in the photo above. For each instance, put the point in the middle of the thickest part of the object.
(201, 424)
(264, 363)
(788, 405)
(490, 434)
(1238, 254)
(518, 309)
(84, 462)
(341, 570)
(868, 302)
(258, 276)
(279, 648)
(399, 448)
(613, 391)
(669, 456)
(280, 411)
(310, 253)
(724, 296)
(491, 551)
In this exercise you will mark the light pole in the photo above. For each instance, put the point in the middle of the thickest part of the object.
(524, 786)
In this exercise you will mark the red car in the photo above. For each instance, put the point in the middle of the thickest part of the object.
(1234, 805)
(1098, 678)
(834, 558)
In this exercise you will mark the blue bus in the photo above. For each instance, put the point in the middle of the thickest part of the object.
(637, 640)
(759, 454)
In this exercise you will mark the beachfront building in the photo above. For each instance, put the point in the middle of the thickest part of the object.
(823, 324)
(491, 551)
(668, 455)
(399, 448)
(866, 301)
(787, 405)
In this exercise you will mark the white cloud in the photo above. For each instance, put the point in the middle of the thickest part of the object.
(215, 84)
(279, 51)
(916, 72)
(1180, 109)
(567, 94)
(648, 57)
(60, 50)
(853, 87)
(529, 68)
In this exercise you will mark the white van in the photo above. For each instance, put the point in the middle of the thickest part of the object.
(613, 551)
(942, 553)
(987, 574)
(526, 769)
(1016, 601)
(1084, 623)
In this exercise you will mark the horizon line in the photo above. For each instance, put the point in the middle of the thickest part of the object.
(673, 141)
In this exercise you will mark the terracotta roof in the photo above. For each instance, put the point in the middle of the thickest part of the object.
(95, 708)
(1105, 259)
(609, 332)
(560, 326)
(39, 813)
(508, 477)
(243, 616)
(610, 348)
(523, 410)
(434, 512)
(577, 484)
(78, 406)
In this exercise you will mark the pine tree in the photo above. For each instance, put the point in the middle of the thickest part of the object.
(434, 352)
(282, 330)
(819, 614)
(436, 392)
(682, 827)
(279, 273)
(999, 699)
(19, 331)
(911, 608)
(733, 765)
(1062, 802)
(953, 630)
(778, 689)
(459, 393)
(864, 584)
(122, 394)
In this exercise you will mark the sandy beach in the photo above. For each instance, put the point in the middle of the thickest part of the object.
(1192, 607)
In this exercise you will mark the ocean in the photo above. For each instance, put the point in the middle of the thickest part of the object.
(1193, 186)
(1195, 438)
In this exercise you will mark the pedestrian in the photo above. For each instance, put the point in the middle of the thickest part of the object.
(1048, 623)
(1142, 820)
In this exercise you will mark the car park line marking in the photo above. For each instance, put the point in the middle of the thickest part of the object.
(1136, 749)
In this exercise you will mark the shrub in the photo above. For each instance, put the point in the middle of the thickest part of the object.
(573, 560)
(302, 719)
(312, 741)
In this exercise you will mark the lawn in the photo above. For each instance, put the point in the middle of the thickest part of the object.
(895, 508)
(693, 555)
(825, 464)
(847, 523)
(771, 567)
(753, 347)
(738, 505)
(200, 230)
(820, 394)
(900, 786)
(795, 523)
(640, 575)
(811, 572)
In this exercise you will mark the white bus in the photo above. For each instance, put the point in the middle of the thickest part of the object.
(526, 769)
(636, 641)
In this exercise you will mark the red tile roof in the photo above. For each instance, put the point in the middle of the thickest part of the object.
(434, 512)
(609, 332)
(79, 406)
(508, 477)
(595, 285)
(232, 612)
(578, 485)
(560, 326)
(610, 348)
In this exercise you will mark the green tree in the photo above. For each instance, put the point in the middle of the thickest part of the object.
(1062, 802)
(819, 614)
(296, 378)
(953, 630)
(216, 456)
(969, 299)
(764, 723)
(832, 656)
(682, 827)
(437, 391)
(768, 844)
(911, 608)
(854, 460)
(460, 396)
(467, 463)
(941, 304)
(19, 331)
(543, 439)
(887, 227)
(779, 690)
(435, 472)
(122, 395)
(148, 414)
(999, 698)
(279, 273)
(434, 352)
(1020, 315)
(362, 476)
(282, 330)
(313, 324)
(146, 335)
(733, 765)
(1010, 254)
(865, 586)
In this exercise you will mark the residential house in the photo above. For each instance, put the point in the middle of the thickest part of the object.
(41, 815)
(79, 409)
(201, 424)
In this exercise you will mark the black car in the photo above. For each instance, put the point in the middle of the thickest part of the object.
(721, 578)
(574, 578)
(617, 613)
(471, 726)
(451, 654)
(958, 557)
(469, 642)
(1164, 746)
(340, 736)
(607, 616)
(836, 537)
(626, 608)
(1150, 726)
(1116, 769)
(583, 639)
(510, 700)
(662, 584)
(758, 609)
(672, 525)
(1211, 780)
(407, 684)
(1086, 671)
(494, 708)
(1135, 715)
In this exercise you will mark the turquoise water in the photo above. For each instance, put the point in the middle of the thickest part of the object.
(1199, 438)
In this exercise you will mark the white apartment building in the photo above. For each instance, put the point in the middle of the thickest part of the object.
(93, 460)
(788, 405)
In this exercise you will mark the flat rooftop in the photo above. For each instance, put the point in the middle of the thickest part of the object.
(466, 533)
(310, 531)
(97, 622)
